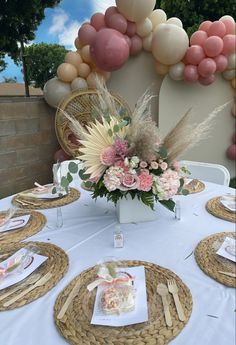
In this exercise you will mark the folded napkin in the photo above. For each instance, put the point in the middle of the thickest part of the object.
(229, 202)
(42, 192)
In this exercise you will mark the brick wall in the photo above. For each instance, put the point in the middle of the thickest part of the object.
(27, 143)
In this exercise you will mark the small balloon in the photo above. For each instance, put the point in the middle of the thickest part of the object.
(61, 156)
(79, 83)
(84, 70)
(136, 45)
(157, 17)
(78, 43)
(66, 72)
(198, 37)
(161, 68)
(110, 11)
(229, 24)
(147, 43)
(206, 80)
(98, 21)
(233, 83)
(85, 53)
(144, 28)
(128, 40)
(55, 90)
(190, 73)
(229, 44)
(229, 74)
(176, 21)
(135, 10)
(176, 71)
(231, 152)
(194, 55)
(231, 61)
(204, 26)
(92, 79)
(87, 34)
(221, 62)
(206, 67)
(217, 28)
(73, 58)
(131, 28)
(118, 22)
(213, 46)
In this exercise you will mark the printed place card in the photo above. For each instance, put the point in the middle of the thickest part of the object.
(228, 249)
(15, 223)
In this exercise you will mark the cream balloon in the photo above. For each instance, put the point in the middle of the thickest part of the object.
(144, 27)
(66, 72)
(77, 43)
(84, 70)
(85, 53)
(73, 58)
(92, 79)
(176, 21)
(231, 61)
(169, 43)
(55, 90)
(229, 74)
(79, 83)
(176, 71)
(147, 43)
(135, 10)
(157, 17)
(227, 17)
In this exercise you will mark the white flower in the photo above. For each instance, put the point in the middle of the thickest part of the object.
(134, 162)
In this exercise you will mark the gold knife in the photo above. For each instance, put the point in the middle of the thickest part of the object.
(68, 301)
(230, 274)
(40, 282)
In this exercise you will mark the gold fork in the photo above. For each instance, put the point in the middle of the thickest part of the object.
(173, 289)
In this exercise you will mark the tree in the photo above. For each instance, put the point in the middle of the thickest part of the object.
(19, 20)
(9, 80)
(42, 61)
(193, 12)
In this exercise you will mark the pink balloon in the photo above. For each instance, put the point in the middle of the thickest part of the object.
(194, 55)
(72, 138)
(87, 34)
(198, 37)
(60, 156)
(217, 28)
(234, 138)
(221, 63)
(110, 50)
(204, 26)
(131, 28)
(98, 21)
(229, 42)
(206, 80)
(229, 26)
(110, 11)
(231, 152)
(118, 22)
(190, 73)
(128, 40)
(213, 46)
(206, 67)
(136, 45)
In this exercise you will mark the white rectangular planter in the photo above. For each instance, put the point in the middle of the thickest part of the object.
(134, 211)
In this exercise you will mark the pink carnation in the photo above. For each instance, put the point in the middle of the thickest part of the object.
(145, 182)
(154, 165)
(108, 155)
(122, 165)
(143, 164)
(121, 147)
(163, 166)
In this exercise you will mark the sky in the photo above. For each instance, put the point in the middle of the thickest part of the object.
(60, 26)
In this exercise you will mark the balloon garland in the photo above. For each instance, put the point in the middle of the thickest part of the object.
(106, 42)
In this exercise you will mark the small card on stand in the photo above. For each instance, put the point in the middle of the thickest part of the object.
(228, 249)
(15, 223)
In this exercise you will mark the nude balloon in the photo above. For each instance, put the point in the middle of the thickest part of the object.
(84, 70)
(110, 50)
(135, 10)
(213, 46)
(92, 79)
(233, 84)
(176, 71)
(79, 83)
(73, 58)
(169, 44)
(55, 90)
(161, 68)
(78, 44)
(198, 37)
(66, 72)
(85, 53)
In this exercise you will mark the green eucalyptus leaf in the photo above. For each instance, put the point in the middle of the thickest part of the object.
(54, 190)
(73, 167)
(64, 182)
(116, 128)
(69, 177)
(82, 175)
(185, 192)
(110, 133)
(163, 152)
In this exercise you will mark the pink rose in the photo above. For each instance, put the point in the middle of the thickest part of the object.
(164, 166)
(176, 166)
(130, 181)
(145, 182)
(154, 165)
(107, 157)
(143, 164)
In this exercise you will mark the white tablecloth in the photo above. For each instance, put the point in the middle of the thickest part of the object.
(87, 236)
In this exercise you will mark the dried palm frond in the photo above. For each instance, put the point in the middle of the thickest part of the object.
(185, 135)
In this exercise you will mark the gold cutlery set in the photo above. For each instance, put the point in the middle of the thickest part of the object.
(32, 283)
(164, 290)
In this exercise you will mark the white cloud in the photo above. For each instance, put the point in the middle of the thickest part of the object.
(58, 21)
(69, 33)
(101, 6)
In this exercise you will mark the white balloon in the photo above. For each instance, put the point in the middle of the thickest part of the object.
(135, 10)
(147, 43)
(229, 74)
(231, 61)
(227, 17)
(176, 21)
(176, 71)
(55, 90)
(169, 44)
(79, 83)
(157, 17)
(144, 28)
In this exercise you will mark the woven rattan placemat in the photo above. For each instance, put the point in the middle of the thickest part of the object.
(57, 263)
(35, 224)
(206, 257)
(197, 189)
(215, 207)
(34, 203)
(76, 328)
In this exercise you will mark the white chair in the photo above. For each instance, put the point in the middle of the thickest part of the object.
(209, 172)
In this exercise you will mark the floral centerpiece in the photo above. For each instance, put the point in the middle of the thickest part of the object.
(126, 156)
